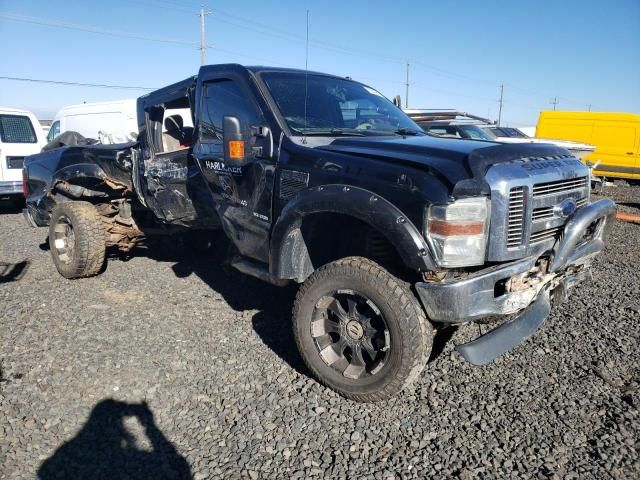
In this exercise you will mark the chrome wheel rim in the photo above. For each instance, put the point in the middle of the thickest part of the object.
(64, 239)
(350, 334)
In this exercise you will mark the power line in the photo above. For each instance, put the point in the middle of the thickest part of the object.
(77, 84)
(165, 5)
(263, 29)
(269, 30)
(87, 28)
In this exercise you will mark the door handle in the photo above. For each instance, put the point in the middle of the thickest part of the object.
(629, 153)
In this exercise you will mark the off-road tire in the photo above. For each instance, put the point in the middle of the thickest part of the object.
(88, 255)
(411, 333)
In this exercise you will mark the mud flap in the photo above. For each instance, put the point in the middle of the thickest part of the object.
(500, 340)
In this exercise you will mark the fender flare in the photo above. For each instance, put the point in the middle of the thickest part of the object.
(289, 257)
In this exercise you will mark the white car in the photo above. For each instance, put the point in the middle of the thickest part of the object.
(516, 135)
(20, 136)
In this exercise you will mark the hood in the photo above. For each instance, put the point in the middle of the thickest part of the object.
(461, 162)
(441, 156)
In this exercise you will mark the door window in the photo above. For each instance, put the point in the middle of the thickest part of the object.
(16, 129)
(54, 131)
(223, 98)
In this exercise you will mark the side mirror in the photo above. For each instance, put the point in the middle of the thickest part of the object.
(234, 142)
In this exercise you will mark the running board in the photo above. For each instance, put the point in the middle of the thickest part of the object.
(491, 345)
(258, 270)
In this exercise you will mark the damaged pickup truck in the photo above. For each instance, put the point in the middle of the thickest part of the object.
(322, 181)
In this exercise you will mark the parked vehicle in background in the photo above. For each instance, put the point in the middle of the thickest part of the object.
(451, 123)
(528, 131)
(504, 132)
(455, 124)
(616, 137)
(20, 136)
(320, 180)
(110, 122)
(515, 135)
(46, 126)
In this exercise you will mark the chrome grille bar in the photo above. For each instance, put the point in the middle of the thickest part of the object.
(546, 213)
(559, 186)
(544, 235)
(515, 222)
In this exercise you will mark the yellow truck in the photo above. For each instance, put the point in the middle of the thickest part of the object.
(615, 135)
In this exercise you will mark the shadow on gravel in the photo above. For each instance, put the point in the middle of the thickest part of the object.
(11, 206)
(12, 272)
(272, 322)
(109, 446)
(440, 340)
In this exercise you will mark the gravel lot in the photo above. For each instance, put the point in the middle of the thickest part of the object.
(169, 366)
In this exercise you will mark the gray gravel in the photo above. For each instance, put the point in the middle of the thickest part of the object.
(205, 381)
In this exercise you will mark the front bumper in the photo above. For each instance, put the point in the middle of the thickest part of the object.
(483, 294)
(479, 295)
(10, 188)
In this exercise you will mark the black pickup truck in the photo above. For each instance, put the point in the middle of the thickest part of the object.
(320, 180)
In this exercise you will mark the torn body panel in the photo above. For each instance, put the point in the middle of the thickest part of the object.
(76, 172)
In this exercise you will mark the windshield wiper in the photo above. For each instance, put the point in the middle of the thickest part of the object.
(332, 132)
(406, 131)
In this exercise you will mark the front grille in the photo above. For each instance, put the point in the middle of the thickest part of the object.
(515, 223)
(15, 162)
(544, 235)
(525, 220)
(559, 186)
(546, 213)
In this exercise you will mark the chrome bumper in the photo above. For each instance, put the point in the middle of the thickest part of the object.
(10, 188)
(477, 297)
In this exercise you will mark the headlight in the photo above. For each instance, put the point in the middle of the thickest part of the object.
(458, 231)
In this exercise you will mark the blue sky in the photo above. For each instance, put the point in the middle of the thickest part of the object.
(584, 52)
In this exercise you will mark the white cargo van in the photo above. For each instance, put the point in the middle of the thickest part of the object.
(20, 136)
(110, 122)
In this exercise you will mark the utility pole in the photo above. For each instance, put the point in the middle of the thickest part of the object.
(203, 43)
(406, 95)
(554, 103)
(589, 107)
(500, 102)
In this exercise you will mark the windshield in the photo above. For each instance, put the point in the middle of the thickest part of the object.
(335, 106)
(458, 131)
(475, 132)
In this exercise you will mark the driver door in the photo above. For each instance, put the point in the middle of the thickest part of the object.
(242, 194)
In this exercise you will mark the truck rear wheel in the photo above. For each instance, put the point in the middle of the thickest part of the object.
(360, 330)
(77, 239)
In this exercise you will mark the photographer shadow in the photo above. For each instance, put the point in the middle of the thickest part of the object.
(120, 440)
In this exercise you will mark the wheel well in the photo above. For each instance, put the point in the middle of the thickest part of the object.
(331, 236)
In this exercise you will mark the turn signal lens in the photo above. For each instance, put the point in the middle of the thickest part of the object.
(236, 148)
(449, 229)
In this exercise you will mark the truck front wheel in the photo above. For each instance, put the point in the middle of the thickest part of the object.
(360, 330)
(76, 239)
